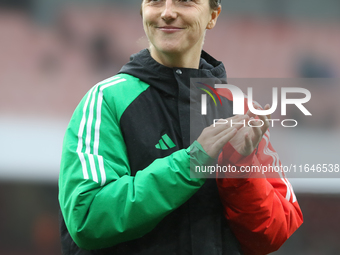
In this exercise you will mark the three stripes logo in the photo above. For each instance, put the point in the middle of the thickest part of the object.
(204, 97)
(165, 143)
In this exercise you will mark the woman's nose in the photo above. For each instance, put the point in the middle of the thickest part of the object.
(169, 12)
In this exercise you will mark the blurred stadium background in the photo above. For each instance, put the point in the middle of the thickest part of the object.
(53, 51)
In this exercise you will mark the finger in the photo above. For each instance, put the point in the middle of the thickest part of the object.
(256, 106)
(264, 122)
(215, 128)
(219, 143)
(240, 121)
(219, 125)
(250, 114)
(267, 107)
(264, 119)
(223, 124)
(257, 135)
(226, 131)
(248, 142)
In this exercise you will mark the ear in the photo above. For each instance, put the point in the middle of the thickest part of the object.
(214, 16)
(141, 9)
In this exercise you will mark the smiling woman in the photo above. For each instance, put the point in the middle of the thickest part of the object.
(125, 186)
(176, 30)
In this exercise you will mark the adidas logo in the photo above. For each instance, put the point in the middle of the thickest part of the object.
(165, 143)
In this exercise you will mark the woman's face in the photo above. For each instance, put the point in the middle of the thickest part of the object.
(177, 26)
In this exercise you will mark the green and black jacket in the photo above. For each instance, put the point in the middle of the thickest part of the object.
(125, 185)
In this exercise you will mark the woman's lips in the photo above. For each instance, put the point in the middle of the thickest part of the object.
(170, 29)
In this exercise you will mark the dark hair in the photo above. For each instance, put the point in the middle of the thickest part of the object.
(214, 4)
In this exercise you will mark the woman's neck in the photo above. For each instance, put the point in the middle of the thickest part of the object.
(187, 60)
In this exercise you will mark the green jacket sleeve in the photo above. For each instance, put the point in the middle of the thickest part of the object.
(102, 204)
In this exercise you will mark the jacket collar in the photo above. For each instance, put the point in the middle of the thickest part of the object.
(144, 67)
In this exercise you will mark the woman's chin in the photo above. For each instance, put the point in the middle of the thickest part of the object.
(172, 50)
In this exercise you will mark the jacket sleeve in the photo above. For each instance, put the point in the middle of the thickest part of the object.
(102, 204)
(262, 212)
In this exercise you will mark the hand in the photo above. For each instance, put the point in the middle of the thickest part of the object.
(213, 138)
(247, 138)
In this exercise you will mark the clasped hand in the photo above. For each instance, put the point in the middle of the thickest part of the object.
(244, 136)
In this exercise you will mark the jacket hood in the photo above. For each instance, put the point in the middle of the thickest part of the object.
(144, 67)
